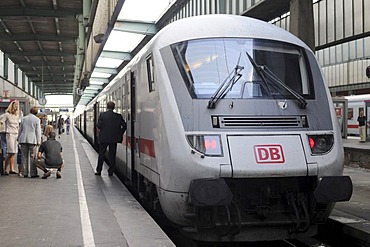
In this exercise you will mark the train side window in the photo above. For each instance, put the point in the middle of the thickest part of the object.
(150, 72)
(350, 113)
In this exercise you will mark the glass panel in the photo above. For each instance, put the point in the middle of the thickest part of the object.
(367, 46)
(150, 73)
(339, 55)
(208, 64)
(352, 50)
(367, 16)
(357, 10)
(348, 19)
(345, 52)
(316, 22)
(359, 48)
(350, 114)
(332, 55)
(331, 20)
(339, 19)
(322, 22)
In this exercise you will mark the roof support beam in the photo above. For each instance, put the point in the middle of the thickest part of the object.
(42, 53)
(38, 38)
(4, 12)
(51, 73)
(145, 28)
(116, 55)
(52, 65)
(106, 70)
(268, 10)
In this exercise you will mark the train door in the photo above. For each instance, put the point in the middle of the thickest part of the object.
(95, 124)
(367, 114)
(84, 123)
(341, 110)
(130, 132)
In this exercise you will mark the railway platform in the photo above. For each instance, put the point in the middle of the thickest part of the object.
(352, 218)
(80, 209)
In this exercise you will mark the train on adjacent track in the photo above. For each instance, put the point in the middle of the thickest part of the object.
(231, 131)
(356, 103)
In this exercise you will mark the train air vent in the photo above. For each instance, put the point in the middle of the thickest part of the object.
(239, 122)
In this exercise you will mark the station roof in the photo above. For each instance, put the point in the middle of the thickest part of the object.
(40, 36)
(134, 27)
(268, 10)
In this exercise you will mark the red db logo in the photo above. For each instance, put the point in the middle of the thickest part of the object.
(272, 153)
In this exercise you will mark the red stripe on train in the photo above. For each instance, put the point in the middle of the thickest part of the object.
(352, 126)
(146, 145)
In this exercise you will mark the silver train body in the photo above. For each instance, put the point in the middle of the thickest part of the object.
(231, 130)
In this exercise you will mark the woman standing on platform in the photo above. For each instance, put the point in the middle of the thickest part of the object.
(11, 120)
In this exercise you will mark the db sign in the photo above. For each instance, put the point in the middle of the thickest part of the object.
(269, 154)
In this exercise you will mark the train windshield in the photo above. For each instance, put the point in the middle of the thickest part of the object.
(238, 68)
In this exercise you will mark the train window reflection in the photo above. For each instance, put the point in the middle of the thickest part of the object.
(206, 63)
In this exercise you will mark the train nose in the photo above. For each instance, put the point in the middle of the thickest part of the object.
(272, 155)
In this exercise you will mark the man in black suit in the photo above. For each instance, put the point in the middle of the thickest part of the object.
(111, 128)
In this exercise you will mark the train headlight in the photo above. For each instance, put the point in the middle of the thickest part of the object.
(320, 144)
(209, 145)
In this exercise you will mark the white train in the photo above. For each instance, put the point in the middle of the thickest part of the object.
(356, 103)
(231, 130)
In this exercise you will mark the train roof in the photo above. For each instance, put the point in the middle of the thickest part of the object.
(359, 98)
(209, 26)
(222, 25)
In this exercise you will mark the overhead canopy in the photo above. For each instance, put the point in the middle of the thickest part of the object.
(40, 37)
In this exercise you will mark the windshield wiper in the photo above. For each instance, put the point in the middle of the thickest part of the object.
(265, 70)
(301, 100)
(260, 74)
(225, 86)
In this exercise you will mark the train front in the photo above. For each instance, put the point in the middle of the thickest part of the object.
(264, 157)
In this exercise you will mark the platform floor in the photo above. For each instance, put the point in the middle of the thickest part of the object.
(80, 209)
(353, 216)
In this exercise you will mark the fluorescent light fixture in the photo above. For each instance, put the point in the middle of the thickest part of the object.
(99, 75)
(145, 10)
(90, 91)
(122, 41)
(59, 100)
(104, 62)
(94, 87)
(92, 82)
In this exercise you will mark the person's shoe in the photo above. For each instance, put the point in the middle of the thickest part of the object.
(26, 176)
(97, 173)
(35, 176)
(5, 174)
(59, 174)
(13, 172)
(46, 175)
(20, 174)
